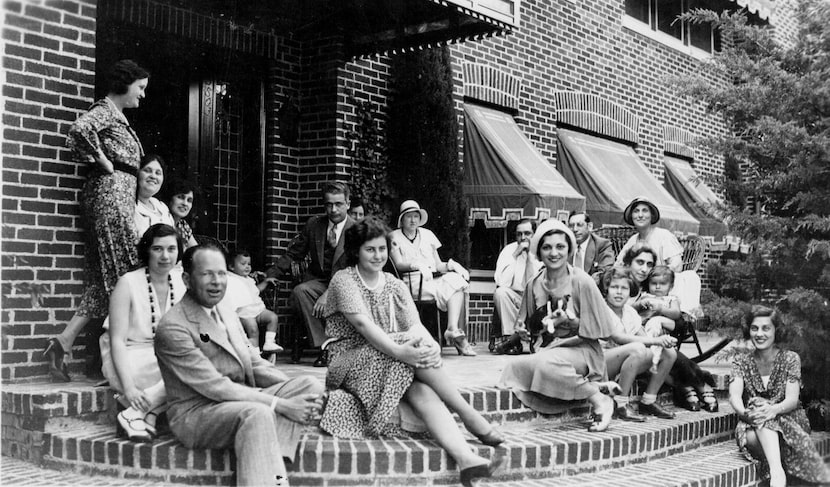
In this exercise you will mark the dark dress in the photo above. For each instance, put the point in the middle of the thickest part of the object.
(798, 453)
(107, 202)
(365, 385)
(544, 379)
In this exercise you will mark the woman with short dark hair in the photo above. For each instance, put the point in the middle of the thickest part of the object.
(139, 300)
(765, 383)
(103, 140)
(384, 361)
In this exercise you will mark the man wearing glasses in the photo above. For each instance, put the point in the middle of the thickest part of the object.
(322, 241)
(514, 268)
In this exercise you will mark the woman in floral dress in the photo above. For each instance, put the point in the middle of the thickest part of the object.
(773, 427)
(385, 375)
(103, 139)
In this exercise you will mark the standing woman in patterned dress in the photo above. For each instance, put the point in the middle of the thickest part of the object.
(773, 428)
(103, 139)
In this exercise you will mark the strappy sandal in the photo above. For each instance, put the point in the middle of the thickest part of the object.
(710, 402)
(687, 398)
(459, 340)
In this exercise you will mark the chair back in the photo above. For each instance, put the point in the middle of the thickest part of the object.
(617, 234)
(693, 249)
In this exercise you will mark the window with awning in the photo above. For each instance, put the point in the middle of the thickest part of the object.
(684, 184)
(505, 176)
(610, 175)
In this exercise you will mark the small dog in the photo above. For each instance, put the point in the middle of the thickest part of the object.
(543, 327)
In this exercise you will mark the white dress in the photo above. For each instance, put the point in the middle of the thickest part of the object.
(422, 250)
(140, 333)
(145, 218)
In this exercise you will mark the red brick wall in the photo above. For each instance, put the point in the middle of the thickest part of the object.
(49, 60)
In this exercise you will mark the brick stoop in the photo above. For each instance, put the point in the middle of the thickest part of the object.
(720, 464)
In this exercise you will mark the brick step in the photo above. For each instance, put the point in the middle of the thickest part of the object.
(539, 447)
(719, 464)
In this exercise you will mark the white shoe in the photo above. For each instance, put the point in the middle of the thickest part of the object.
(271, 347)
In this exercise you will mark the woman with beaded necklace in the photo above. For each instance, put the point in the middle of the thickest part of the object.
(140, 299)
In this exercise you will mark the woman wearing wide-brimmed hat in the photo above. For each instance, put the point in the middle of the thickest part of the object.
(642, 214)
(415, 249)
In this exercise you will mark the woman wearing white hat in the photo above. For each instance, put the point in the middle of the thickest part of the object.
(569, 368)
(642, 214)
(415, 249)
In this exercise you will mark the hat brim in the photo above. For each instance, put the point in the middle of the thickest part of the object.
(655, 213)
(422, 212)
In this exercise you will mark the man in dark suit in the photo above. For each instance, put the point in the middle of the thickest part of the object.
(322, 241)
(221, 393)
(593, 254)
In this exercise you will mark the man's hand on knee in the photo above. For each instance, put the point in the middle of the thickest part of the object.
(304, 409)
(320, 305)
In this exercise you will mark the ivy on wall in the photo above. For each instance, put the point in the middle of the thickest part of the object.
(423, 145)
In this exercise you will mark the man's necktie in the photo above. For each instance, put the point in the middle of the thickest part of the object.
(578, 258)
(332, 237)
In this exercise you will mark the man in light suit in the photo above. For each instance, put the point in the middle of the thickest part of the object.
(514, 268)
(221, 393)
(322, 241)
(593, 254)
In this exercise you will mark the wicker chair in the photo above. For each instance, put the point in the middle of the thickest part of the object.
(694, 248)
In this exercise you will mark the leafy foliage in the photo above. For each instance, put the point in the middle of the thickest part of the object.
(774, 99)
(370, 164)
(423, 145)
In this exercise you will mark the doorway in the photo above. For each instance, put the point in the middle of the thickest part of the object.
(204, 114)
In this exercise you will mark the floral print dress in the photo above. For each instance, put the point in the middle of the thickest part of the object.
(798, 453)
(107, 201)
(365, 385)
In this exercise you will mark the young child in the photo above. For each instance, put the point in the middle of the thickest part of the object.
(254, 314)
(658, 309)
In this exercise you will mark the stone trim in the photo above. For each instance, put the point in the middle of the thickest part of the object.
(678, 141)
(491, 85)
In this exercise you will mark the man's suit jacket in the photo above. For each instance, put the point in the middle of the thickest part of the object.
(599, 255)
(201, 363)
(311, 241)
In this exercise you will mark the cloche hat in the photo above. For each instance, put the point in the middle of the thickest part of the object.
(409, 206)
(655, 213)
(545, 227)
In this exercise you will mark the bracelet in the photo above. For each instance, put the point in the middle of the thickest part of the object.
(274, 403)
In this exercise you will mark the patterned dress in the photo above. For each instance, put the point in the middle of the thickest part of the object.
(366, 385)
(107, 201)
(799, 455)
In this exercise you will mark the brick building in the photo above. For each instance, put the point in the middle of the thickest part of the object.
(256, 102)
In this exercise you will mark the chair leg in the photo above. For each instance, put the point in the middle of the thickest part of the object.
(693, 333)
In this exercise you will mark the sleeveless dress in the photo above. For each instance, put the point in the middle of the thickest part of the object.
(798, 453)
(544, 380)
(140, 333)
(365, 385)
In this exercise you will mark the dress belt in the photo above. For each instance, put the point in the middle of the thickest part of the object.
(124, 167)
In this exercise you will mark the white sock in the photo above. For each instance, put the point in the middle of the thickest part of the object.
(622, 400)
(648, 398)
(270, 336)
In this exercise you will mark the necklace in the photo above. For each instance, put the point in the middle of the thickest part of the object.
(411, 240)
(152, 294)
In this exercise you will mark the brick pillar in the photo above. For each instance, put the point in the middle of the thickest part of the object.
(49, 59)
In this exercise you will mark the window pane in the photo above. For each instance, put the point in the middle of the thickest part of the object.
(637, 9)
(667, 12)
(700, 36)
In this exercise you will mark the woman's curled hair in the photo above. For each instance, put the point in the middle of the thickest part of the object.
(637, 249)
(159, 230)
(759, 311)
(122, 74)
(367, 229)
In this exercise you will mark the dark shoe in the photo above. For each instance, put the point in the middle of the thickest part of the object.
(53, 353)
(483, 471)
(686, 397)
(492, 438)
(655, 410)
(627, 413)
(323, 359)
(516, 349)
(710, 402)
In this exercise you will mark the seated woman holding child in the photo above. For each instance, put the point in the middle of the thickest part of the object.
(385, 373)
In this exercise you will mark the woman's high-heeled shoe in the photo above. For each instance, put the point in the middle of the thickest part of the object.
(459, 340)
(53, 353)
(134, 428)
(494, 437)
(710, 402)
(483, 471)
